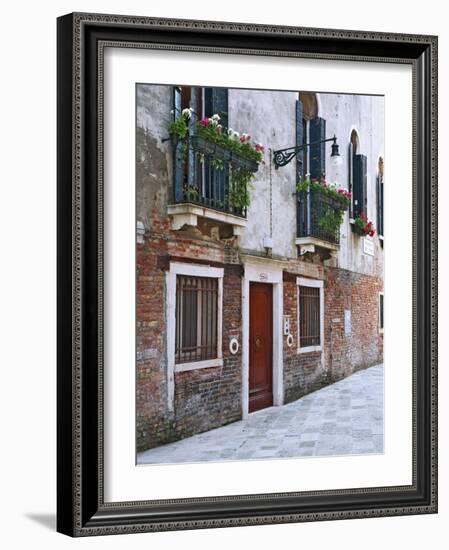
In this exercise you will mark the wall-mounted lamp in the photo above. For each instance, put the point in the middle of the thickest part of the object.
(282, 157)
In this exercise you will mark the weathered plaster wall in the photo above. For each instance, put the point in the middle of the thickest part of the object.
(365, 114)
(269, 117)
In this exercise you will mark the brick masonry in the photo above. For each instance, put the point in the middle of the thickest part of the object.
(344, 351)
(361, 344)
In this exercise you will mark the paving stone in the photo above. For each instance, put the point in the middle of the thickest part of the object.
(343, 419)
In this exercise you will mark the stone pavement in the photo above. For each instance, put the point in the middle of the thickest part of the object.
(345, 418)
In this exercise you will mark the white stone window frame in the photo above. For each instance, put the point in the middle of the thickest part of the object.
(381, 329)
(190, 270)
(315, 283)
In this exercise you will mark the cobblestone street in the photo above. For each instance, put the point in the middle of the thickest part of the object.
(342, 419)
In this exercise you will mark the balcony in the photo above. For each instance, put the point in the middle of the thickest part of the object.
(203, 186)
(314, 232)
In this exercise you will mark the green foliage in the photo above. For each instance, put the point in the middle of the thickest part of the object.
(241, 185)
(240, 188)
(330, 221)
(229, 139)
(364, 226)
(338, 194)
(179, 127)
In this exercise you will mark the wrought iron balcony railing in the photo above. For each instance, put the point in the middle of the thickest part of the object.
(313, 210)
(204, 176)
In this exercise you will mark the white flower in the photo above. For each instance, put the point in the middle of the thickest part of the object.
(215, 118)
(187, 113)
(236, 135)
(230, 132)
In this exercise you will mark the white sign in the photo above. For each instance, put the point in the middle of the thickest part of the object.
(348, 326)
(368, 246)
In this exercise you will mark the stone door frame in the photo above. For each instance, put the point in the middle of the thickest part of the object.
(262, 270)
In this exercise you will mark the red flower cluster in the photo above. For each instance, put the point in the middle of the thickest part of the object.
(340, 190)
(344, 193)
(366, 225)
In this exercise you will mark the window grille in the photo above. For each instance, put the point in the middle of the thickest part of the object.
(309, 316)
(196, 318)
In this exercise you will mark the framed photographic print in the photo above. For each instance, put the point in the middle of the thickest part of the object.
(247, 277)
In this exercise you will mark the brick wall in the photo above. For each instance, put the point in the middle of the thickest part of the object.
(344, 353)
(362, 346)
(208, 398)
(204, 398)
(303, 372)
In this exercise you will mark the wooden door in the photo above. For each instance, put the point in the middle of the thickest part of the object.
(260, 346)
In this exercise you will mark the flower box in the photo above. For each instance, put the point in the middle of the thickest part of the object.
(207, 147)
(358, 230)
(363, 226)
(243, 163)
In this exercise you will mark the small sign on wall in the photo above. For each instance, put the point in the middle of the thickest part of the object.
(368, 246)
(348, 327)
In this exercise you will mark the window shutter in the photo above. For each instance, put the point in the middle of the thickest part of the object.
(360, 184)
(299, 141)
(178, 167)
(380, 205)
(216, 102)
(318, 151)
(216, 182)
(351, 176)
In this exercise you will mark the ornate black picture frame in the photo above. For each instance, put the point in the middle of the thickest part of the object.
(81, 510)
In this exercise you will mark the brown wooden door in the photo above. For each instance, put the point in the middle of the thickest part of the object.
(260, 346)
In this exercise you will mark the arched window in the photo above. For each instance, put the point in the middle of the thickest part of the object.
(357, 170)
(309, 128)
(380, 197)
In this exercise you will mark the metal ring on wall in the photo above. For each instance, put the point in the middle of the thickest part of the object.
(233, 346)
(289, 340)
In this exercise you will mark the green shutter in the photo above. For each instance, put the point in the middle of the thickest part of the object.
(360, 184)
(317, 151)
(216, 102)
(299, 141)
(177, 156)
(380, 205)
(216, 182)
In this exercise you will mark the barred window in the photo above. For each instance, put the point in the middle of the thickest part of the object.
(309, 316)
(196, 318)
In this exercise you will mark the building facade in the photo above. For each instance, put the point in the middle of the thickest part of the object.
(241, 308)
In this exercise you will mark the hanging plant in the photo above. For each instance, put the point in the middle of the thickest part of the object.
(329, 222)
(240, 188)
(363, 226)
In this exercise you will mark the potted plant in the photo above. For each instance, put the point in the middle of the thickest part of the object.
(179, 128)
(363, 226)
